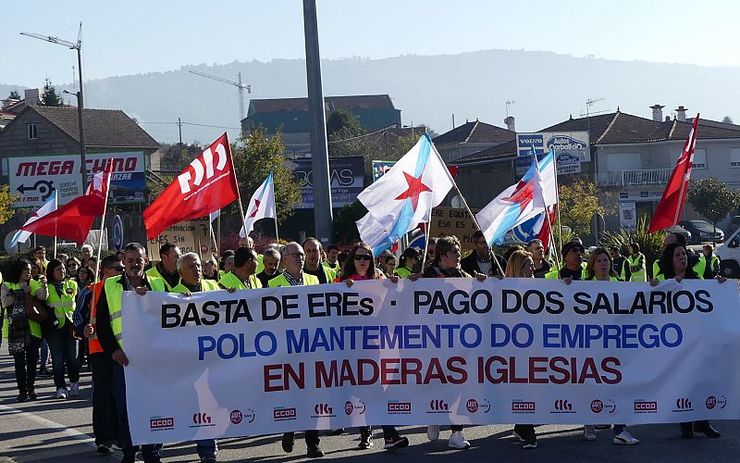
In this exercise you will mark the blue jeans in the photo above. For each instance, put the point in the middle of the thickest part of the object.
(63, 349)
(206, 448)
(150, 452)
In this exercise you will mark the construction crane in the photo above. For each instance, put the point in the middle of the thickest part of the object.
(77, 46)
(238, 84)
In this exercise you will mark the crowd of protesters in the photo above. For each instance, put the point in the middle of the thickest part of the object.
(55, 312)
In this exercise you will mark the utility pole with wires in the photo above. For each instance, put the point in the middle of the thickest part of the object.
(80, 100)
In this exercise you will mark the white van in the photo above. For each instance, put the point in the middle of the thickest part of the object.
(729, 255)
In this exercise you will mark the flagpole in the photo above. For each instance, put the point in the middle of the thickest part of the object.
(102, 220)
(277, 236)
(475, 221)
(557, 195)
(238, 191)
(56, 206)
(218, 234)
(552, 237)
(427, 231)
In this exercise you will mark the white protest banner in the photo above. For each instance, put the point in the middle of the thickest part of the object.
(436, 351)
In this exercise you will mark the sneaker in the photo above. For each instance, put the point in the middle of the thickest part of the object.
(395, 442)
(589, 432)
(314, 452)
(104, 449)
(433, 432)
(625, 438)
(74, 390)
(288, 442)
(366, 441)
(457, 441)
(61, 393)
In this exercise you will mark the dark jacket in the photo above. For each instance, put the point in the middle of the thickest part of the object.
(470, 264)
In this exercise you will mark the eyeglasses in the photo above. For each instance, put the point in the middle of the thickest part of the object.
(362, 257)
(297, 254)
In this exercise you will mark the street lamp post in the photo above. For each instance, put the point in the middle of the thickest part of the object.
(80, 99)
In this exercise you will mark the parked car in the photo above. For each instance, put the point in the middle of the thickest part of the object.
(729, 256)
(681, 231)
(702, 231)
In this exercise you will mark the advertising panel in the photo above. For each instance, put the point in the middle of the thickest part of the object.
(346, 174)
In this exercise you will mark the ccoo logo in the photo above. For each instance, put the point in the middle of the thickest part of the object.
(202, 169)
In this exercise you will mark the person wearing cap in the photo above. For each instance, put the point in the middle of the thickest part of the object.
(574, 268)
(242, 276)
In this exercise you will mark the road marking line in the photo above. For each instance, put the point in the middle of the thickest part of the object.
(74, 434)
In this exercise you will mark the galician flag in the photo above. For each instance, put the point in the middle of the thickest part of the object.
(405, 195)
(21, 236)
(261, 206)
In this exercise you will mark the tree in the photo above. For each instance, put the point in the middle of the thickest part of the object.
(578, 203)
(713, 199)
(50, 97)
(14, 95)
(6, 201)
(255, 156)
(727, 120)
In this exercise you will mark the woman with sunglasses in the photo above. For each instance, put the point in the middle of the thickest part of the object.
(359, 266)
(674, 263)
(407, 263)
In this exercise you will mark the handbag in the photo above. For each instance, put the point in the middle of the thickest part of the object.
(35, 309)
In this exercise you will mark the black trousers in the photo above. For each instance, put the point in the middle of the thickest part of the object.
(25, 365)
(104, 420)
(311, 437)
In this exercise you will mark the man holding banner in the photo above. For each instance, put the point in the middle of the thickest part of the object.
(110, 334)
(293, 275)
(191, 281)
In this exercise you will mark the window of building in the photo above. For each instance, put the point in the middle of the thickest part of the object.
(734, 157)
(700, 159)
(33, 132)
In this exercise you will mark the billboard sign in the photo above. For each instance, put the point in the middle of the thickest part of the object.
(346, 175)
(571, 149)
(34, 178)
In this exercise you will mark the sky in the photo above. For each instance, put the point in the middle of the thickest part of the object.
(136, 36)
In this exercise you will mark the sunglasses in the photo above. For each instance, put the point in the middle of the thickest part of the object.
(363, 257)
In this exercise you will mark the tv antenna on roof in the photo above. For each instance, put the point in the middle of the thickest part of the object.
(509, 103)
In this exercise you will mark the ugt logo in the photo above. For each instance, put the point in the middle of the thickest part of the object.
(203, 168)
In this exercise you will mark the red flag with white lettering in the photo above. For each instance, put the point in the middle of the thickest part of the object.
(670, 208)
(206, 185)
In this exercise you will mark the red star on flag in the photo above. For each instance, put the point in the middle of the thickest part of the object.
(256, 208)
(416, 187)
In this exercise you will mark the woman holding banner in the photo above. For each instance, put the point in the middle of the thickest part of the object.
(361, 266)
(521, 265)
(600, 268)
(446, 264)
(674, 263)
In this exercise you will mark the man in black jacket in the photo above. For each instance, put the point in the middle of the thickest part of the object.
(481, 259)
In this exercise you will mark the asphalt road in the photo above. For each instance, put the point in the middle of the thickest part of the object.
(59, 431)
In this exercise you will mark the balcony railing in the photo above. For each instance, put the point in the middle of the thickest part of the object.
(634, 177)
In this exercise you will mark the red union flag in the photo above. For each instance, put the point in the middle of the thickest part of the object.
(74, 220)
(670, 208)
(206, 185)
